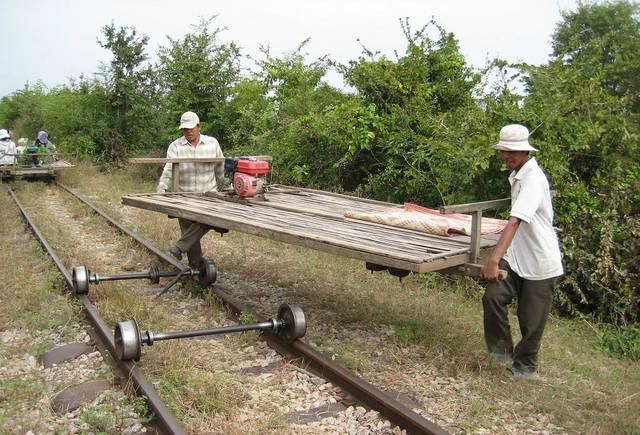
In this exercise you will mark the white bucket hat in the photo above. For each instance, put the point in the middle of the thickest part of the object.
(4, 134)
(514, 137)
(189, 120)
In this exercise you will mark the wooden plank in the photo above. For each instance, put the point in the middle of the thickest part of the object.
(340, 195)
(175, 176)
(476, 229)
(309, 206)
(421, 238)
(146, 160)
(307, 219)
(284, 237)
(58, 164)
(303, 235)
(476, 206)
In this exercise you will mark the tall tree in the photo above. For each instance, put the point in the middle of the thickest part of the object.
(424, 147)
(584, 109)
(132, 92)
(198, 73)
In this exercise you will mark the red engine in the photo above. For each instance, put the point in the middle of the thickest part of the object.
(248, 175)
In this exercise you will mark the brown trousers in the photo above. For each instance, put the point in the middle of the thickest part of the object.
(534, 304)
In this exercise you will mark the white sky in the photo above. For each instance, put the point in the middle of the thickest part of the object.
(55, 40)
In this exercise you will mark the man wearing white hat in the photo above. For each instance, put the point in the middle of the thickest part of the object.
(194, 177)
(528, 249)
(7, 148)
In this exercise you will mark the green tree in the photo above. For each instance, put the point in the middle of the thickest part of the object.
(601, 40)
(426, 148)
(583, 106)
(22, 111)
(305, 140)
(198, 73)
(132, 92)
(250, 118)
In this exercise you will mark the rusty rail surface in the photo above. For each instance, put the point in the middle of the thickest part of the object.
(365, 392)
(135, 236)
(166, 420)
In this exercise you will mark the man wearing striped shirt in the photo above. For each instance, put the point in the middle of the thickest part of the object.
(194, 177)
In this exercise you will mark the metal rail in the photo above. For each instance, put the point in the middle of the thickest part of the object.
(367, 393)
(137, 237)
(166, 420)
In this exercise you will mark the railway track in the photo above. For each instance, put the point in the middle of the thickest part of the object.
(275, 390)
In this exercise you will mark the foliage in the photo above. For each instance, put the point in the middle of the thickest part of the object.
(601, 40)
(74, 115)
(412, 128)
(295, 89)
(425, 147)
(621, 342)
(588, 132)
(197, 73)
(131, 90)
(251, 116)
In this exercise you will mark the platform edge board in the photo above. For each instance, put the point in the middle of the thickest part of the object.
(414, 264)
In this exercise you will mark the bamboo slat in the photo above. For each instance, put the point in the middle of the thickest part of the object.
(316, 220)
(27, 170)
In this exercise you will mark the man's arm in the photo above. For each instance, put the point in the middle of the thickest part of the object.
(219, 169)
(167, 172)
(490, 270)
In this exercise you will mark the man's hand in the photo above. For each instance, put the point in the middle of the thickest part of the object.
(490, 271)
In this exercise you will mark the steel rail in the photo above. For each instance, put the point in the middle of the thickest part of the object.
(166, 420)
(137, 237)
(367, 393)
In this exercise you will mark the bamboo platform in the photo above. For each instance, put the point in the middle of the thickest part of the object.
(315, 219)
(7, 171)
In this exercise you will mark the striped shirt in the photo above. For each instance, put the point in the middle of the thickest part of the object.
(194, 177)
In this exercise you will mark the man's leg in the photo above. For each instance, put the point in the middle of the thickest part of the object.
(534, 303)
(192, 232)
(497, 296)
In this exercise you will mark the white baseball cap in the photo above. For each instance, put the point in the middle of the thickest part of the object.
(514, 137)
(4, 134)
(189, 120)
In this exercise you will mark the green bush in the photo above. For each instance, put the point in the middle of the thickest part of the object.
(621, 342)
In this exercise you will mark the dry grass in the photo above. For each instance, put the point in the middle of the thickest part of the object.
(86, 239)
(32, 300)
(583, 390)
(29, 281)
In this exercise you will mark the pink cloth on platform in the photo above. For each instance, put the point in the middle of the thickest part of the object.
(427, 220)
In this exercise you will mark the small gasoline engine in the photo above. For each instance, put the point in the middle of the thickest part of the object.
(247, 174)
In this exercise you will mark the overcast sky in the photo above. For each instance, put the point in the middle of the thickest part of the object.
(55, 40)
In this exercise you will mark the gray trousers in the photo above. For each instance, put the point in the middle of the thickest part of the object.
(192, 232)
(534, 304)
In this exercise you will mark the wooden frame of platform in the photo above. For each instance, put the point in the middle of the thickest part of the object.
(175, 164)
(315, 219)
(10, 171)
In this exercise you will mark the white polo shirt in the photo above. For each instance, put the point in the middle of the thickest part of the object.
(534, 252)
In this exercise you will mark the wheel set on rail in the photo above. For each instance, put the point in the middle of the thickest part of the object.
(206, 273)
(289, 324)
